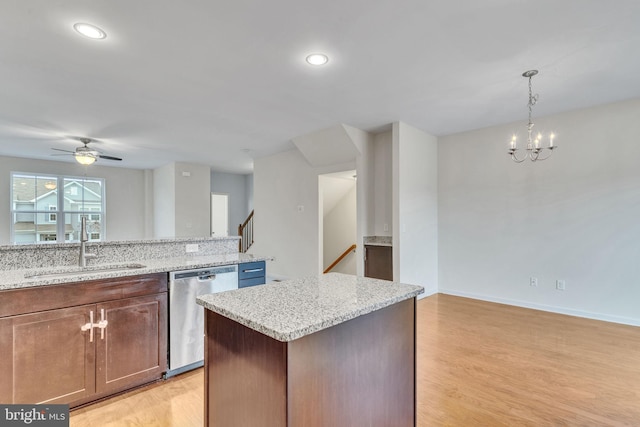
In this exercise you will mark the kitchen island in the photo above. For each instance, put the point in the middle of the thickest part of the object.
(331, 350)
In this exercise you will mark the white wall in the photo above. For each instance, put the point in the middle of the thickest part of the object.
(248, 185)
(125, 194)
(193, 200)
(383, 199)
(164, 201)
(283, 182)
(340, 231)
(149, 213)
(182, 200)
(365, 191)
(415, 207)
(574, 217)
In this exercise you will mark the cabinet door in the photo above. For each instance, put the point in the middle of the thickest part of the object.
(133, 348)
(378, 262)
(46, 357)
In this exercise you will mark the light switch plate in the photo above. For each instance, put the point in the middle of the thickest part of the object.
(192, 247)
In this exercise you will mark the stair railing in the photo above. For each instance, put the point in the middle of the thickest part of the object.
(340, 258)
(245, 231)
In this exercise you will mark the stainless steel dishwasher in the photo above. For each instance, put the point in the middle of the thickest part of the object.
(186, 318)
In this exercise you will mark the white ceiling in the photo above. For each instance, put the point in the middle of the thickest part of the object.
(205, 81)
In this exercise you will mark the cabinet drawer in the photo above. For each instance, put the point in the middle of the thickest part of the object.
(250, 270)
(245, 283)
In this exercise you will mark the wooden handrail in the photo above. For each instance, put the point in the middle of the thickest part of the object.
(245, 231)
(340, 258)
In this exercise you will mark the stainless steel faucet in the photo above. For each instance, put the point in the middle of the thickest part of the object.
(84, 238)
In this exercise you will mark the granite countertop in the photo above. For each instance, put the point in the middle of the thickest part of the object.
(379, 244)
(16, 279)
(54, 246)
(295, 308)
(378, 241)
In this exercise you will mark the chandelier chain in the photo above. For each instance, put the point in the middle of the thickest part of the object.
(533, 149)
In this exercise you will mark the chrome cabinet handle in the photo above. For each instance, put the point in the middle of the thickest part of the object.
(89, 326)
(101, 324)
(252, 270)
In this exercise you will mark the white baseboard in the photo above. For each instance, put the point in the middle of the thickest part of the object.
(542, 307)
(427, 293)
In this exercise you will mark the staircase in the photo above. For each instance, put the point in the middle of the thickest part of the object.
(245, 231)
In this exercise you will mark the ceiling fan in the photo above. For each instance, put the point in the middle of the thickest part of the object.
(86, 155)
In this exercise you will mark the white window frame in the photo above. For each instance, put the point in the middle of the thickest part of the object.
(59, 214)
(53, 217)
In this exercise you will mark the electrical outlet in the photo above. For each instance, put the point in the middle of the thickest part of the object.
(192, 247)
(533, 281)
(561, 285)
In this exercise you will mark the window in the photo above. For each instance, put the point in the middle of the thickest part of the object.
(53, 217)
(47, 208)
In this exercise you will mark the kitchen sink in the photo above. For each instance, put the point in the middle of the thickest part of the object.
(82, 271)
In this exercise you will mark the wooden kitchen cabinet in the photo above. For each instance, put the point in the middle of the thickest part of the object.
(44, 357)
(56, 356)
(129, 353)
(378, 262)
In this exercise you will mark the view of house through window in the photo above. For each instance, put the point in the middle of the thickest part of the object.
(48, 208)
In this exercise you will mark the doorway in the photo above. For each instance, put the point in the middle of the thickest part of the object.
(338, 221)
(219, 214)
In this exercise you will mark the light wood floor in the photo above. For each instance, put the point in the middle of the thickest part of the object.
(479, 364)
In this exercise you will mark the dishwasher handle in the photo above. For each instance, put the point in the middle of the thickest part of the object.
(207, 278)
(203, 273)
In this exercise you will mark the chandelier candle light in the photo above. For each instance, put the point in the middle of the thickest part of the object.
(534, 148)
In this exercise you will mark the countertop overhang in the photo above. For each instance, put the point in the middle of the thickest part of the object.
(292, 309)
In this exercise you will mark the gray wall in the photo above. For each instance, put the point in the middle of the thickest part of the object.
(125, 194)
(239, 188)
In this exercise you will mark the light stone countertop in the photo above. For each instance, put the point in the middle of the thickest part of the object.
(75, 245)
(295, 308)
(378, 241)
(379, 244)
(16, 279)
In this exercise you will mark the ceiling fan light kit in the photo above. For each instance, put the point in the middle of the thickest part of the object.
(84, 158)
(85, 155)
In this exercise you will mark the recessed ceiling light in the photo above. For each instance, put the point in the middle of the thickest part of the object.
(317, 59)
(90, 31)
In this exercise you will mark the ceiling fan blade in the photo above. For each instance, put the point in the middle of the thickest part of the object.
(66, 151)
(102, 156)
(69, 154)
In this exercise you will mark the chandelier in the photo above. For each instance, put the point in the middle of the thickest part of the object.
(534, 150)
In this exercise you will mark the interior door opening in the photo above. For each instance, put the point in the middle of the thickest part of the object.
(338, 215)
(219, 214)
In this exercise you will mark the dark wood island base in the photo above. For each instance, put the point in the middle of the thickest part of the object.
(357, 373)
